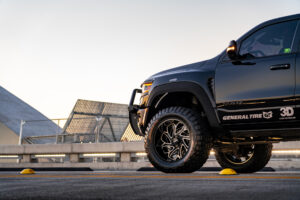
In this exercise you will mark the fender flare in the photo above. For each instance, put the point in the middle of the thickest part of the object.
(207, 103)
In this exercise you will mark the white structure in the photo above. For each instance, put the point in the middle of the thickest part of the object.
(12, 111)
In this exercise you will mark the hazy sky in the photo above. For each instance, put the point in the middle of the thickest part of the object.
(55, 52)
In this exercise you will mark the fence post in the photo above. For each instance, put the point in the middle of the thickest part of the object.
(97, 129)
(57, 131)
(125, 157)
(21, 131)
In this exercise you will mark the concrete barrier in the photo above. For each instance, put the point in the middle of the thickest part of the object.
(73, 152)
(124, 151)
(111, 147)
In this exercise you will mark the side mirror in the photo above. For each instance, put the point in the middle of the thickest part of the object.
(232, 50)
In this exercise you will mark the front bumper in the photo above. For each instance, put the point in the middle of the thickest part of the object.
(134, 113)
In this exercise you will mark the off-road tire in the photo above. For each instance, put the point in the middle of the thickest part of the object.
(261, 156)
(200, 141)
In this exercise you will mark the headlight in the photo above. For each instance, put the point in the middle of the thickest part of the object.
(146, 87)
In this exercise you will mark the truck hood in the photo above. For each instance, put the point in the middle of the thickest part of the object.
(199, 66)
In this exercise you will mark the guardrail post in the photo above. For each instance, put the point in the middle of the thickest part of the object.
(74, 158)
(21, 131)
(26, 158)
(125, 157)
(74, 138)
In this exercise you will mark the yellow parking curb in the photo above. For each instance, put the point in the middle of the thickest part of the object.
(228, 171)
(27, 171)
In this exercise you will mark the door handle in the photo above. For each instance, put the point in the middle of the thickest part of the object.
(280, 66)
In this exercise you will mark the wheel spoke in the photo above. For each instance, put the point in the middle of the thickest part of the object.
(183, 149)
(182, 130)
(174, 154)
(171, 129)
(166, 135)
(186, 138)
(186, 144)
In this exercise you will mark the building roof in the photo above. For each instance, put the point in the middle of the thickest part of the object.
(13, 110)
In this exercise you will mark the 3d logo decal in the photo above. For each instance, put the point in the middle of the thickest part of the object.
(286, 112)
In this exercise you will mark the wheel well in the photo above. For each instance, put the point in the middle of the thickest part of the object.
(183, 99)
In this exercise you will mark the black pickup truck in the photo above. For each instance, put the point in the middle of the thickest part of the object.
(238, 103)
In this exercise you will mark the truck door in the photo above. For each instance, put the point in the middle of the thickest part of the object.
(259, 88)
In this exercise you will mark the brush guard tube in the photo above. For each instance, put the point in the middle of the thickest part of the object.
(133, 113)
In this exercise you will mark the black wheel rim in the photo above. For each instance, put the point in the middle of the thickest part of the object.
(172, 140)
(242, 156)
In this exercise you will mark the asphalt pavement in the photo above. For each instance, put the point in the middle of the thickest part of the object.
(149, 185)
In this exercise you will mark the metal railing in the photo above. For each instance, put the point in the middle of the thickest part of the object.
(90, 129)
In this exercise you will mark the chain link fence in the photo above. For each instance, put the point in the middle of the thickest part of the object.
(96, 129)
(89, 122)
